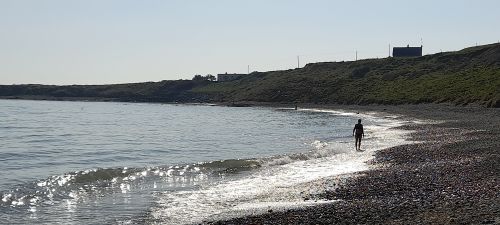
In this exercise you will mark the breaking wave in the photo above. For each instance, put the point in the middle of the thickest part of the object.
(101, 180)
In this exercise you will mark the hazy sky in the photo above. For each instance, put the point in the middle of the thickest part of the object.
(118, 41)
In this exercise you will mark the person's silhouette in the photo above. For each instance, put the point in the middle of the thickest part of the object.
(358, 132)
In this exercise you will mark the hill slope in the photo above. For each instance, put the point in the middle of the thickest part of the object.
(471, 75)
(163, 91)
(468, 76)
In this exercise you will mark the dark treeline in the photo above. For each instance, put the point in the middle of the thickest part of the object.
(163, 91)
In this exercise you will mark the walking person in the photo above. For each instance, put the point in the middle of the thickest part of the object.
(358, 133)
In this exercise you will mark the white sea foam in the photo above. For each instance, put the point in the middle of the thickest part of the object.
(281, 183)
(145, 160)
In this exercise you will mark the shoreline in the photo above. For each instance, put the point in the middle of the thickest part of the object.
(449, 176)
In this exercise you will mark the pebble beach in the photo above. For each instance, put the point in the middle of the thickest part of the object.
(450, 174)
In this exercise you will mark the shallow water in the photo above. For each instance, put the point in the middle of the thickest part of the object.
(121, 163)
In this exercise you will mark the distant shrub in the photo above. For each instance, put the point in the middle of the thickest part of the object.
(360, 72)
(208, 77)
(389, 76)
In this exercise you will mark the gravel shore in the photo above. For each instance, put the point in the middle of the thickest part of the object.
(450, 176)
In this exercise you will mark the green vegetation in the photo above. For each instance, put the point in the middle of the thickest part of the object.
(464, 77)
(163, 91)
(208, 77)
(468, 76)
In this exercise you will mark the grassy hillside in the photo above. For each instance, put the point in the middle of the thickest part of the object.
(164, 91)
(468, 76)
(471, 75)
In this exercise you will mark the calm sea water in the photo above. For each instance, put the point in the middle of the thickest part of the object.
(127, 163)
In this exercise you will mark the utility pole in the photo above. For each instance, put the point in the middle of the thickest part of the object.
(389, 50)
(422, 45)
(298, 62)
(356, 55)
(248, 69)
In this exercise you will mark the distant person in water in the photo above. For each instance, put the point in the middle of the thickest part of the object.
(358, 132)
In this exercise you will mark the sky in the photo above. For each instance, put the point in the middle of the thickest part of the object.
(65, 42)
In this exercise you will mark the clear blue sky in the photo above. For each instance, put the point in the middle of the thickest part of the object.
(118, 41)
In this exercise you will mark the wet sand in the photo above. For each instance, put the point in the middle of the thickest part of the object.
(450, 176)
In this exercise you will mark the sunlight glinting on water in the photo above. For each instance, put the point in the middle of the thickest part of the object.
(186, 167)
(273, 187)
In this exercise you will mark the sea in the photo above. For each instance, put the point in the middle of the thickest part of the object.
(69, 162)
